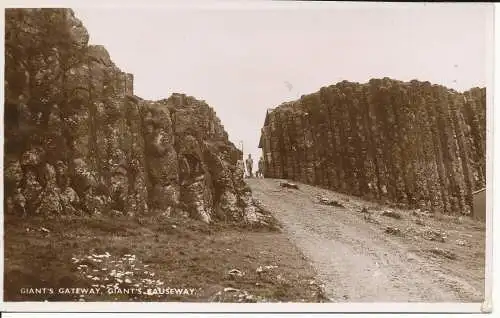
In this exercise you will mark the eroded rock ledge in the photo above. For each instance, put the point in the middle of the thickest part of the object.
(77, 141)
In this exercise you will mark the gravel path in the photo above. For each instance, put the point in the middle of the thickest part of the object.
(355, 259)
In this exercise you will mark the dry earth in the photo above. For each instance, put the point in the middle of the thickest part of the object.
(359, 261)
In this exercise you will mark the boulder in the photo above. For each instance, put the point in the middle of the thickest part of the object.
(289, 185)
(392, 214)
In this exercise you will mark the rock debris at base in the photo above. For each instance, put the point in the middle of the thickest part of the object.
(391, 214)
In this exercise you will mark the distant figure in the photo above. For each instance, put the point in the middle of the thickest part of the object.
(260, 172)
(240, 165)
(249, 163)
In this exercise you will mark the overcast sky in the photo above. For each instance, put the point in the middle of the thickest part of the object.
(239, 60)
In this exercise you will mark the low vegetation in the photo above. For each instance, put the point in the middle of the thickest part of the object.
(219, 262)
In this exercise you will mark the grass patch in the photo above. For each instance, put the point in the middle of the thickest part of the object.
(181, 253)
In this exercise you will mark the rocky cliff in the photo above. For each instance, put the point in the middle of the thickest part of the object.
(414, 143)
(77, 141)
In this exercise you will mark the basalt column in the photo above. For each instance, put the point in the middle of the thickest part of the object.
(408, 142)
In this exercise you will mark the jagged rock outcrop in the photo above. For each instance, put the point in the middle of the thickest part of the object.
(77, 141)
(413, 143)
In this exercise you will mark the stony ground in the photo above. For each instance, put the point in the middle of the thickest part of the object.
(325, 249)
(220, 262)
(383, 254)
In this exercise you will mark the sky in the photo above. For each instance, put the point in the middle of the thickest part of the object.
(242, 61)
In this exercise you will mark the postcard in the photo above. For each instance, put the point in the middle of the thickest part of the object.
(254, 156)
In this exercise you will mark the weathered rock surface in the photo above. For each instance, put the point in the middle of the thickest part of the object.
(414, 143)
(78, 141)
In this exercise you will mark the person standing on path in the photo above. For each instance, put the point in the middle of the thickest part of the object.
(241, 168)
(249, 163)
(260, 172)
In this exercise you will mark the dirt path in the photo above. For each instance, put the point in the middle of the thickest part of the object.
(355, 259)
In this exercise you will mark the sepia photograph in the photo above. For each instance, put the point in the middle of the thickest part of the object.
(247, 152)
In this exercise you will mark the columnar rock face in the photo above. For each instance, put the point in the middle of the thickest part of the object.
(413, 143)
(77, 141)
